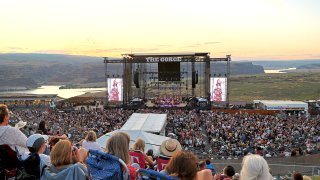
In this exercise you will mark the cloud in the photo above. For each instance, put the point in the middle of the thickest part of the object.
(213, 42)
(201, 44)
(51, 51)
(124, 50)
(16, 48)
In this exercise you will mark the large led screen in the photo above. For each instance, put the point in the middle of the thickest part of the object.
(218, 89)
(115, 89)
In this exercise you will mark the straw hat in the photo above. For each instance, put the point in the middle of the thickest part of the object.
(20, 124)
(169, 147)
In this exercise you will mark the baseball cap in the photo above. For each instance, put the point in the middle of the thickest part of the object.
(36, 140)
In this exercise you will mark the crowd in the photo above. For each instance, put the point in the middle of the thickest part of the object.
(216, 133)
(228, 135)
(234, 135)
(75, 124)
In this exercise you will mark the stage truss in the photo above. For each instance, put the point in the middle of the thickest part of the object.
(151, 74)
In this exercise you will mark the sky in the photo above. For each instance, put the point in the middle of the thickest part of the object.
(246, 29)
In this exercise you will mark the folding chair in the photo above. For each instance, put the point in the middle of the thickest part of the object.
(147, 174)
(137, 157)
(103, 166)
(9, 162)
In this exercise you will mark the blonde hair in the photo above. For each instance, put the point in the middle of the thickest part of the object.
(91, 136)
(118, 145)
(255, 167)
(61, 153)
(139, 145)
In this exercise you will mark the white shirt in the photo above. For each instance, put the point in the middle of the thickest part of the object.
(91, 145)
(14, 138)
(45, 158)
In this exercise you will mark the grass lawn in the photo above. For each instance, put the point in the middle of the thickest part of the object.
(290, 86)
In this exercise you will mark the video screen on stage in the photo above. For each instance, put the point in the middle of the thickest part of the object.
(218, 89)
(169, 71)
(115, 87)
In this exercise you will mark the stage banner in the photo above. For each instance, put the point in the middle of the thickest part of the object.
(218, 89)
(115, 89)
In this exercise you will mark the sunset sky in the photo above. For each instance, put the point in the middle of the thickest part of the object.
(246, 29)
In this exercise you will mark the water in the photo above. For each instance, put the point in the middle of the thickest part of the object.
(277, 71)
(64, 93)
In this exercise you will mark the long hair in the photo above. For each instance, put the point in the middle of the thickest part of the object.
(61, 153)
(139, 145)
(118, 145)
(182, 165)
(255, 167)
(91, 136)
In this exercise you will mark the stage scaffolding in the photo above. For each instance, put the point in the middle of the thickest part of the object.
(140, 74)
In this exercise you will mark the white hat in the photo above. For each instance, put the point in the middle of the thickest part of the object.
(36, 140)
(20, 124)
(169, 147)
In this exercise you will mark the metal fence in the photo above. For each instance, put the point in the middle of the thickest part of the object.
(278, 170)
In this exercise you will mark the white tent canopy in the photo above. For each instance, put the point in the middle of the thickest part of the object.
(281, 105)
(153, 123)
(152, 141)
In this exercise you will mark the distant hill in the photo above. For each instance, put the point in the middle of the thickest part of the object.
(310, 66)
(284, 64)
(30, 70)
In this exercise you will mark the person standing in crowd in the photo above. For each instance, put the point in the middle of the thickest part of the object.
(255, 167)
(42, 128)
(210, 166)
(10, 135)
(90, 142)
(118, 145)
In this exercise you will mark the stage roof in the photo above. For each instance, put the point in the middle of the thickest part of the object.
(153, 123)
(168, 54)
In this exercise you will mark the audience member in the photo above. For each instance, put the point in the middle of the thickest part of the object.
(118, 145)
(204, 173)
(139, 145)
(182, 165)
(90, 142)
(36, 143)
(297, 176)
(66, 163)
(10, 135)
(255, 167)
(169, 147)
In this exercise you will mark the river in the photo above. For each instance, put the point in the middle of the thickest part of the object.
(64, 93)
(277, 71)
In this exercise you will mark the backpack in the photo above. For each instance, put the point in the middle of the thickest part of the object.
(30, 169)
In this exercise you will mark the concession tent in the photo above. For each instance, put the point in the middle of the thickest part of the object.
(281, 105)
(152, 123)
(152, 141)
